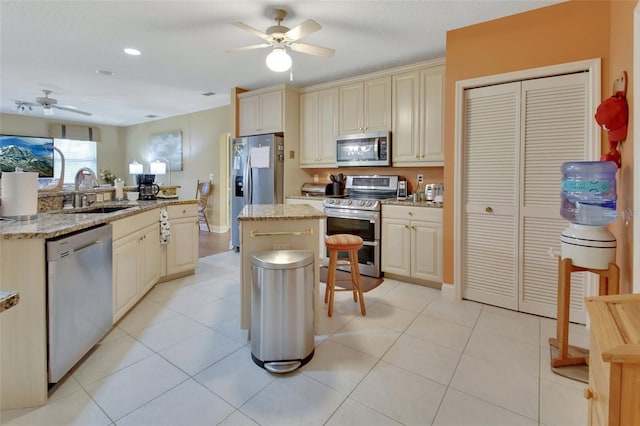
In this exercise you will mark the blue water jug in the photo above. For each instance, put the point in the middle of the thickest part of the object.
(589, 192)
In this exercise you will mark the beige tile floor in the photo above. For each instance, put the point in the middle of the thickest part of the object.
(180, 358)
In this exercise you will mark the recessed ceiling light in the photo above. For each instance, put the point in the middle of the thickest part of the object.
(104, 72)
(208, 93)
(151, 116)
(131, 51)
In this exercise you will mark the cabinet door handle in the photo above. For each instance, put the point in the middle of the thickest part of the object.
(413, 227)
(488, 210)
(588, 393)
(406, 227)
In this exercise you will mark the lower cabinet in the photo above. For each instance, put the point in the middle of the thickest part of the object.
(182, 250)
(140, 261)
(317, 204)
(136, 260)
(411, 242)
(614, 367)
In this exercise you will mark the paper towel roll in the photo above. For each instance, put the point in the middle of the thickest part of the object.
(19, 194)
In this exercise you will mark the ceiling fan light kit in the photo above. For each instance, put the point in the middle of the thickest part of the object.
(280, 38)
(48, 104)
(278, 60)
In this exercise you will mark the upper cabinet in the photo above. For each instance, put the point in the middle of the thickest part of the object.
(365, 106)
(418, 114)
(319, 128)
(261, 113)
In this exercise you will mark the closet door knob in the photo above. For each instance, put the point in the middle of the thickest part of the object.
(488, 210)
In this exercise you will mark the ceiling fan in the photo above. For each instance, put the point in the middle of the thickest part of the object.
(48, 104)
(281, 38)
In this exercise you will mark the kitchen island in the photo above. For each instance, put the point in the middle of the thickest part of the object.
(23, 268)
(265, 227)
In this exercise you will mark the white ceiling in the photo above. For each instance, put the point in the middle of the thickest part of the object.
(59, 46)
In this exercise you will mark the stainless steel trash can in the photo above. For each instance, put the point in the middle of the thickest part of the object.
(282, 309)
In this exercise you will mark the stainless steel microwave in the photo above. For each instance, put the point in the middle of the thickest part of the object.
(364, 149)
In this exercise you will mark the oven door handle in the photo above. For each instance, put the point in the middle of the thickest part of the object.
(371, 243)
(371, 219)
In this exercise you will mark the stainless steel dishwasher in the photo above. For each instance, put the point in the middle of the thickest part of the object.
(79, 298)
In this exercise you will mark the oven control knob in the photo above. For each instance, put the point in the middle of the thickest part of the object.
(369, 202)
(349, 202)
(362, 203)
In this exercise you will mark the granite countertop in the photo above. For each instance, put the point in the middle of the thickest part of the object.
(255, 212)
(67, 190)
(388, 201)
(307, 197)
(410, 202)
(8, 299)
(54, 224)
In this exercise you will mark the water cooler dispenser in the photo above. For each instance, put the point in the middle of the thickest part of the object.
(589, 203)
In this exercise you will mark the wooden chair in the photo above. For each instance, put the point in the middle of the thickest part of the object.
(203, 191)
(345, 243)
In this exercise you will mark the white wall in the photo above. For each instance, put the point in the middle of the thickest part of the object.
(111, 149)
(201, 133)
(201, 150)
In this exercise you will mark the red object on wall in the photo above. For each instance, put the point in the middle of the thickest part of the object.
(613, 115)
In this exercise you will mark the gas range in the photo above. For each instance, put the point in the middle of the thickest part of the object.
(365, 193)
(349, 203)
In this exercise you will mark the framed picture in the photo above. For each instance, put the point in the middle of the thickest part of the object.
(31, 154)
(168, 146)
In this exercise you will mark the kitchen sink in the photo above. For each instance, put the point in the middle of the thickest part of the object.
(108, 209)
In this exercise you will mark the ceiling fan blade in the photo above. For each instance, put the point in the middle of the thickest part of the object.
(252, 30)
(70, 109)
(24, 103)
(312, 50)
(307, 27)
(242, 49)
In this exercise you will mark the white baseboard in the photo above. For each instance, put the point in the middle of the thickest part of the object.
(448, 292)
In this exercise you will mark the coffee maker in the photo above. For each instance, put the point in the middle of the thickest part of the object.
(147, 189)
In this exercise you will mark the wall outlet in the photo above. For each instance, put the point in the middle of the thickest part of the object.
(420, 178)
(281, 246)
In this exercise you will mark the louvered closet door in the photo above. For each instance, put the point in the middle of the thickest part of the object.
(555, 125)
(489, 193)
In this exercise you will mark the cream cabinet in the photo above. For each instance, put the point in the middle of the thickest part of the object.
(136, 259)
(418, 117)
(317, 204)
(614, 360)
(260, 113)
(182, 250)
(365, 106)
(319, 128)
(412, 242)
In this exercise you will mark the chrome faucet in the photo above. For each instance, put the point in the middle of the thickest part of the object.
(81, 178)
(84, 177)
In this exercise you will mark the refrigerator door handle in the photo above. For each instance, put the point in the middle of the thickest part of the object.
(248, 184)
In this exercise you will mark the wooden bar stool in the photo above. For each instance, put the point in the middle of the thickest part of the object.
(343, 243)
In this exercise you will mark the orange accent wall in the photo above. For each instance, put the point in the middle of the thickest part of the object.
(566, 32)
(621, 58)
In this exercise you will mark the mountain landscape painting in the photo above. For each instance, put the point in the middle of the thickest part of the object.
(31, 154)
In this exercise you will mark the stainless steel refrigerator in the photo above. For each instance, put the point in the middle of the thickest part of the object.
(257, 175)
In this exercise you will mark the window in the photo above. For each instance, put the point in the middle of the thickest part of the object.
(77, 154)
